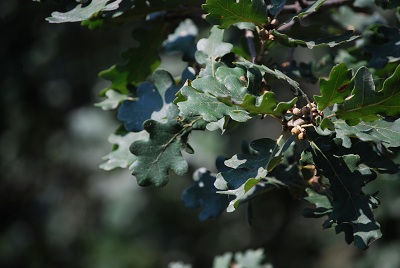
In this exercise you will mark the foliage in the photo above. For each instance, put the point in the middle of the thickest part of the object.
(324, 153)
(250, 258)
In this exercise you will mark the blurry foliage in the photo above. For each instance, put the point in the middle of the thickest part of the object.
(59, 210)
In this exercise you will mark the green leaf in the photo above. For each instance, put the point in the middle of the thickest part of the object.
(139, 63)
(182, 40)
(226, 12)
(312, 37)
(210, 49)
(366, 104)
(380, 131)
(312, 8)
(121, 157)
(162, 151)
(251, 259)
(80, 13)
(266, 104)
(383, 45)
(114, 98)
(276, 6)
(351, 208)
(250, 173)
(204, 194)
(194, 102)
(275, 73)
(351, 20)
(133, 112)
(336, 88)
(323, 206)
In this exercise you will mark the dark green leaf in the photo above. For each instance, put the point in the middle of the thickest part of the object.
(323, 206)
(336, 88)
(252, 172)
(351, 208)
(204, 194)
(275, 73)
(162, 151)
(312, 8)
(366, 104)
(380, 131)
(383, 46)
(312, 36)
(134, 112)
(139, 62)
(80, 13)
(276, 6)
(182, 40)
(226, 12)
(152, 101)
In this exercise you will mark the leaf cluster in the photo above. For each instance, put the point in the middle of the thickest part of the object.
(331, 145)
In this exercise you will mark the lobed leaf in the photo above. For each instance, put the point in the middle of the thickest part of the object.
(160, 152)
(276, 6)
(152, 101)
(194, 102)
(367, 104)
(139, 62)
(80, 12)
(204, 194)
(121, 157)
(383, 46)
(254, 172)
(210, 49)
(226, 12)
(113, 100)
(266, 104)
(312, 37)
(336, 89)
(351, 208)
(381, 131)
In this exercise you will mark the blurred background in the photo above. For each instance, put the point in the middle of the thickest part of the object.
(58, 209)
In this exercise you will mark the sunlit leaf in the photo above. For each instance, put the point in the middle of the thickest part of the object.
(113, 100)
(210, 49)
(226, 12)
(367, 103)
(336, 88)
(80, 12)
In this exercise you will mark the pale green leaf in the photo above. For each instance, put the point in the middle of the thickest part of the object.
(121, 157)
(113, 99)
(80, 13)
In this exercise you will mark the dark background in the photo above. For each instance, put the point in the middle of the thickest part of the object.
(58, 209)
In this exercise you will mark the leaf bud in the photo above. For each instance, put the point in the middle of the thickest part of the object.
(296, 111)
(301, 136)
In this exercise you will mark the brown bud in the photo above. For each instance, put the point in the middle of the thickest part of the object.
(305, 110)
